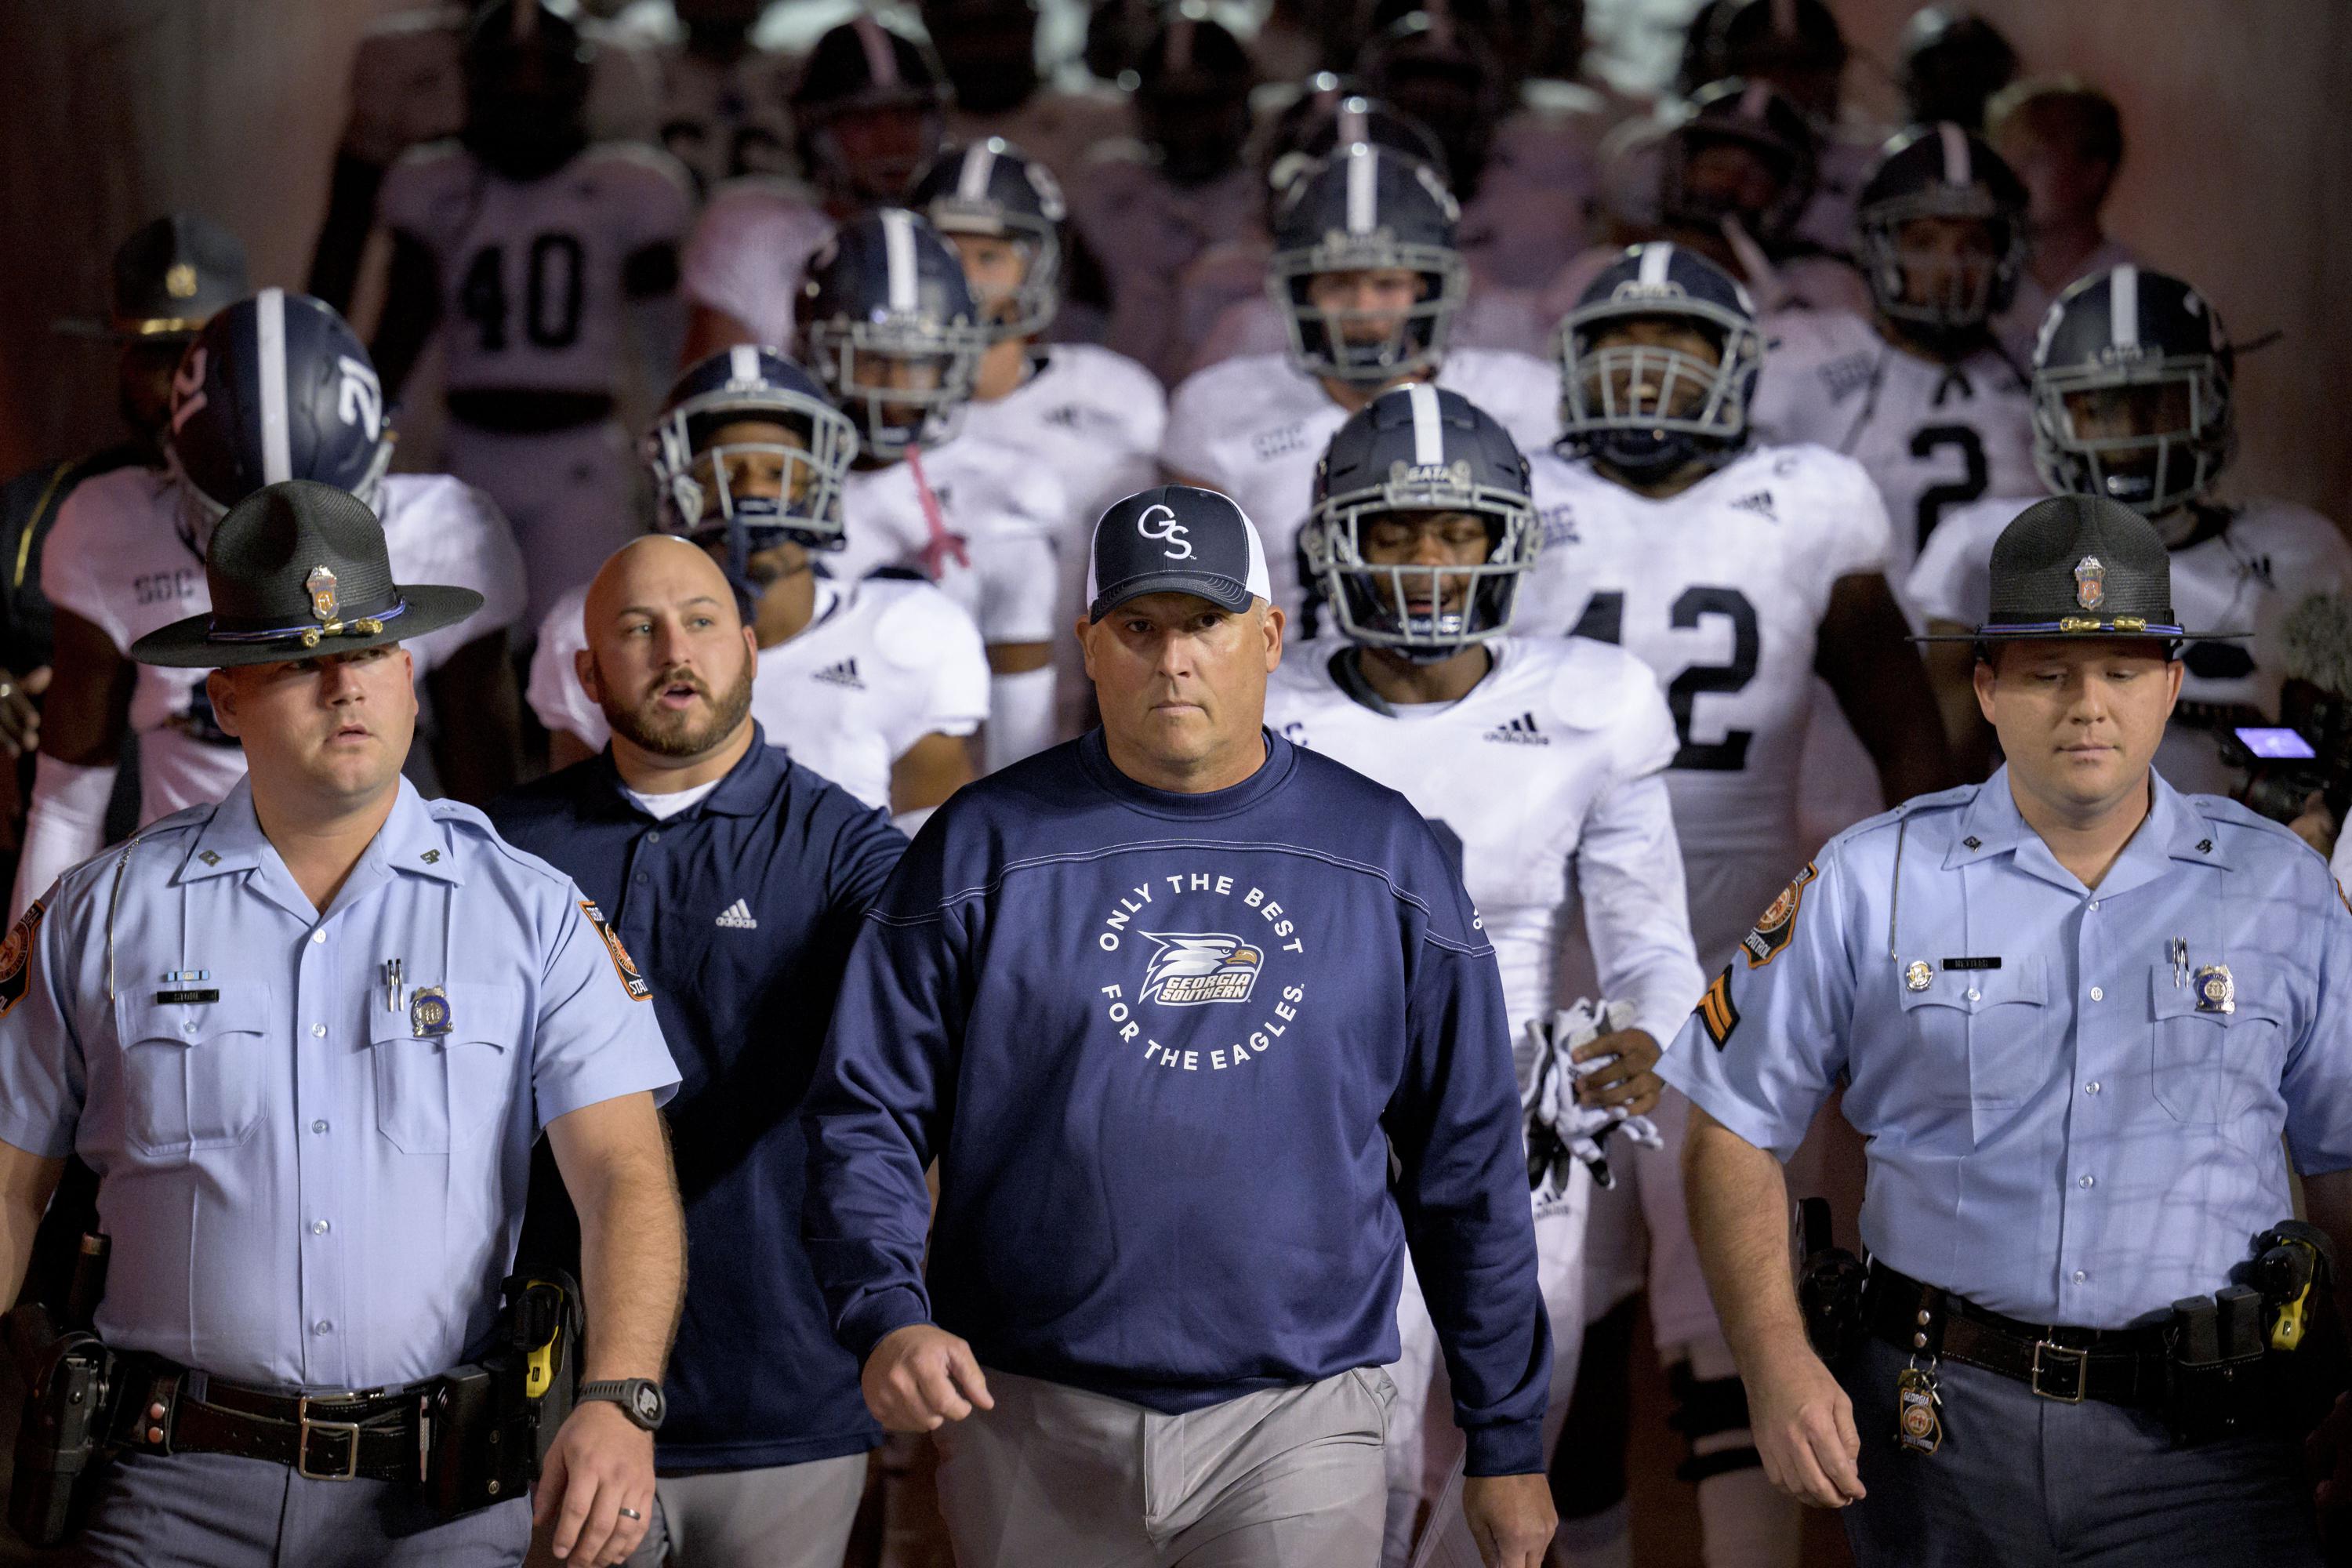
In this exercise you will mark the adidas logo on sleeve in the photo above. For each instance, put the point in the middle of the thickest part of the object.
(844, 673)
(1520, 731)
(738, 916)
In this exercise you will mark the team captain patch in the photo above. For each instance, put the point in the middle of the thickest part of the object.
(17, 957)
(1716, 1013)
(1775, 925)
(631, 981)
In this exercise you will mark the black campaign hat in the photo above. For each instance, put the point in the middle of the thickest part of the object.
(2079, 566)
(169, 278)
(296, 570)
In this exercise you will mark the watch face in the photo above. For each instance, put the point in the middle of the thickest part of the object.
(648, 1399)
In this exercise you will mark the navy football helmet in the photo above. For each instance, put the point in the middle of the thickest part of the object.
(1760, 118)
(992, 188)
(1647, 409)
(1950, 63)
(1940, 171)
(275, 387)
(864, 69)
(1328, 115)
(1193, 96)
(1419, 450)
(887, 326)
(528, 71)
(1365, 209)
(755, 492)
(2131, 391)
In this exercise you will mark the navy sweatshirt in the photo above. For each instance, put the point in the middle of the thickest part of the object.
(1161, 1045)
(740, 910)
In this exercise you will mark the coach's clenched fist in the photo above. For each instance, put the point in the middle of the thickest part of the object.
(919, 1378)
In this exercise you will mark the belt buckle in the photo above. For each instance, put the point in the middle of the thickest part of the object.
(304, 1427)
(2082, 1365)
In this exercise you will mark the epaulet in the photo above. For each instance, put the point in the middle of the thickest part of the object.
(100, 867)
(467, 822)
(1918, 806)
(2233, 816)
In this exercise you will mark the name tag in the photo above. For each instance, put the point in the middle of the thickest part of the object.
(172, 996)
(1972, 963)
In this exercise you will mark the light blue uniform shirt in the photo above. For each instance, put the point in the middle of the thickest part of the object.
(301, 1188)
(2071, 1137)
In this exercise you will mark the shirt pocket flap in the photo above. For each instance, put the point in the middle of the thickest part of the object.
(2173, 996)
(480, 1011)
(1974, 991)
(240, 1008)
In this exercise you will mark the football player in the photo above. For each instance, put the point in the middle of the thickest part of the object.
(1948, 63)
(872, 682)
(1368, 279)
(1734, 169)
(889, 329)
(1148, 207)
(1920, 395)
(275, 387)
(868, 111)
(723, 88)
(1091, 417)
(2132, 401)
(526, 247)
(1736, 572)
(1539, 759)
(989, 48)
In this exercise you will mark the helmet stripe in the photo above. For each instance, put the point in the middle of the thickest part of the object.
(971, 180)
(743, 364)
(881, 60)
(1657, 261)
(1363, 203)
(1353, 125)
(1956, 154)
(270, 328)
(1428, 428)
(898, 258)
(2123, 307)
(1177, 53)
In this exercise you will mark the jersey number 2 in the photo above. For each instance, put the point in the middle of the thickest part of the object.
(1603, 621)
(552, 288)
(1926, 442)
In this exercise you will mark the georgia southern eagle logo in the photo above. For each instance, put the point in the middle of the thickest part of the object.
(1191, 968)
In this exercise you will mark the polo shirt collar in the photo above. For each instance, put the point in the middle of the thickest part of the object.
(748, 788)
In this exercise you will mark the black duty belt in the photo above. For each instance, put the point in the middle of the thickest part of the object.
(376, 1433)
(2115, 1367)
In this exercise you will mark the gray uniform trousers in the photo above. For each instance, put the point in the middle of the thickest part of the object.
(784, 1516)
(2021, 1480)
(217, 1510)
(1286, 1478)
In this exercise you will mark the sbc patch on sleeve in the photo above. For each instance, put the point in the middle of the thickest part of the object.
(17, 957)
(1778, 924)
(623, 964)
(1716, 1016)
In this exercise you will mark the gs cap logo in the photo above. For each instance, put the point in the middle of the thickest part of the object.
(1159, 521)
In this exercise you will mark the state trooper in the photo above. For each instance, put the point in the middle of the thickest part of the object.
(2078, 1009)
(307, 1038)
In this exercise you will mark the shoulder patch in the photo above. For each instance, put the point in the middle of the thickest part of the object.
(1716, 1014)
(623, 964)
(17, 957)
(1778, 924)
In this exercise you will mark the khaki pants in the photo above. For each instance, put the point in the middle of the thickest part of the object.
(1288, 1477)
(787, 1516)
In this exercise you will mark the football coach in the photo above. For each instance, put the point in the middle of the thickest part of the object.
(1165, 1003)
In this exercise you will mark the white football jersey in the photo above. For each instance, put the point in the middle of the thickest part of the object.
(748, 251)
(1932, 437)
(979, 521)
(1720, 590)
(119, 557)
(1545, 781)
(1094, 418)
(1255, 427)
(722, 120)
(2266, 559)
(883, 663)
(531, 273)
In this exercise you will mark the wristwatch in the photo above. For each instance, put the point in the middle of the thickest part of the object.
(640, 1399)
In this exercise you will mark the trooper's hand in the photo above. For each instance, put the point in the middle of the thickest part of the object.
(600, 1464)
(2329, 1451)
(20, 720)
(921, 1377)
(1803, 1427)
(1511, 1518)
(1629, 1081)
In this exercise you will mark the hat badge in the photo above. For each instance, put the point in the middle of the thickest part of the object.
(180, 280)
(320, 585)
(2090, 583)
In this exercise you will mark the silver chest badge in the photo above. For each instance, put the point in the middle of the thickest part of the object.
(1918, 977)
(2217, 991)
